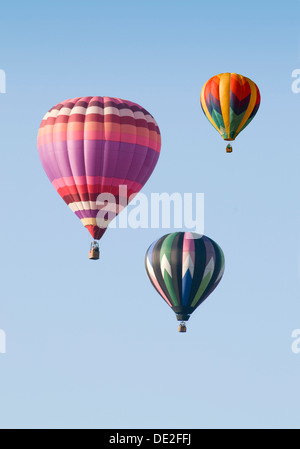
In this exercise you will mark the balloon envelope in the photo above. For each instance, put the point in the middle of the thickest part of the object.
(230, 101)
(93, 145)
(184, 268)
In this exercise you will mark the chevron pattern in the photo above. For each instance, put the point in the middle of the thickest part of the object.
(165, 266)
(230, 101)
(184, 268)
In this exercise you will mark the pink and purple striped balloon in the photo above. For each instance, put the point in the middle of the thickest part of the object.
(93, 145)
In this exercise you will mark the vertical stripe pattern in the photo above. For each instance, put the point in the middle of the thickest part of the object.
(230, 101)
(184, 268)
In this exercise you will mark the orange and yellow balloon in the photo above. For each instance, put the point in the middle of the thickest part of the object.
(230, 101)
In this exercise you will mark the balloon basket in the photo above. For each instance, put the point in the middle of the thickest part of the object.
(229, 149)
(94, 251)
(182, 327)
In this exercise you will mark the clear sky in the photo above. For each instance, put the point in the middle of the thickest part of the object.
(91, 344)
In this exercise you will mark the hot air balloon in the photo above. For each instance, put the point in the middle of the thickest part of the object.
(94, 145)
(184, 268)
(230, 101)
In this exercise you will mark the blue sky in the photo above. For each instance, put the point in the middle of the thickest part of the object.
(92, 344)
